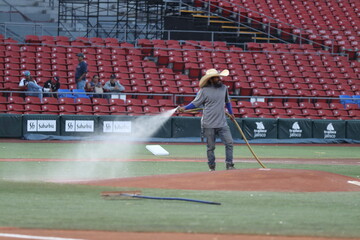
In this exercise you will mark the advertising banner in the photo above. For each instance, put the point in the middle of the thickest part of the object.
(329, 129)
(42, 124)
(255, 128)
(186, 127)
(234, 130)
(135, 126)
(11, 125)
(294, 128)
(353, 129)
(78, 125)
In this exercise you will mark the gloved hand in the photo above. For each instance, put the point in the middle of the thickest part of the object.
(181, 109)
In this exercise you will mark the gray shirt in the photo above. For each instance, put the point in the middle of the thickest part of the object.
(213, 99)
(111, 87)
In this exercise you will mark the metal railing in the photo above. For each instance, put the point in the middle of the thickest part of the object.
(175, 96)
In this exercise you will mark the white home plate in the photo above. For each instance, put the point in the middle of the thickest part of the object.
(264, 169)
(157, 150)
(354, 182)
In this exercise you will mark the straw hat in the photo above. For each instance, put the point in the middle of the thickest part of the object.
(212, 73)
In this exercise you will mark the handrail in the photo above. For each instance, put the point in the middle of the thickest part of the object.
(201, 48)
(176, 96)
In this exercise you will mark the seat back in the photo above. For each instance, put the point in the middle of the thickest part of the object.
(79, 93)
(65, 93)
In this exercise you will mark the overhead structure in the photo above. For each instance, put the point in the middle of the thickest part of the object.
(121, 19)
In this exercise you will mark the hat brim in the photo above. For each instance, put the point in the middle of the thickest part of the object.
(205, 78)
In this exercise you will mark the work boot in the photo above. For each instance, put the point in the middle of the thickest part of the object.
(211, 168)
(230, 166)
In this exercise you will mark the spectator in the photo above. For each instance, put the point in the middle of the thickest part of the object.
(51, 85)
(80, 73)
(113, 86)
(31, 86)
(95, 86)
(27, 77)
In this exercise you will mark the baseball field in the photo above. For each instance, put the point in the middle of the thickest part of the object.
(52, 190)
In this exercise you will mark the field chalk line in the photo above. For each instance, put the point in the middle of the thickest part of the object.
(354, 182)
(21, 236)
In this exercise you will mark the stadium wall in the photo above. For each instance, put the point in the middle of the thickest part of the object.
(176, 129)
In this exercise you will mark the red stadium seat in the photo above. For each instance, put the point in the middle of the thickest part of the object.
(67, 109)
(33, 109)
(118, 110)
(67, 101)
(101, 110)
(117, 102)
(84, 108)
(18, 108)
(134, 102)
(310, 112)
(83, 101)
(48, 108)
(307, 105)
(247, 111)
(244, 104)
(32, 100)
(278, 111)
(260, 105)
(276, 105)
(101, 101)
(292, 112)
(325, 113)
(16, 100)
(321, 105)
(262, 111)
(3, 108)
(134, 110)
(166, 103)
(50, 100)
(151, 102)
(149, 110)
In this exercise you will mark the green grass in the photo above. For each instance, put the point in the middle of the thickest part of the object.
(138, 151)
(55, 206)
(60, 206)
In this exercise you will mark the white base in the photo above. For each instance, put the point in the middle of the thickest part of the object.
(157, 150)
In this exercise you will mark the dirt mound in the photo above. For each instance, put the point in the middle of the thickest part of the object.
(275, 180)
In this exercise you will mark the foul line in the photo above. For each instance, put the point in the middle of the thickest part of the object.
(21, 236)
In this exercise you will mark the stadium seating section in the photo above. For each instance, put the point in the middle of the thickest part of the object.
(331, 23)
(277, 80)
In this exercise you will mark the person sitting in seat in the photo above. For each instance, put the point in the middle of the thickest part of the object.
(27, 77)
(30, 84)
(113, 86)
(51, 86)
(95, 86)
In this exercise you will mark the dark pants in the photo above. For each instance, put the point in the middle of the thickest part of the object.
(225, 135)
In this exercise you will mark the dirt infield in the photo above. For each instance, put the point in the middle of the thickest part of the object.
(274, 180)
(104, 235)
